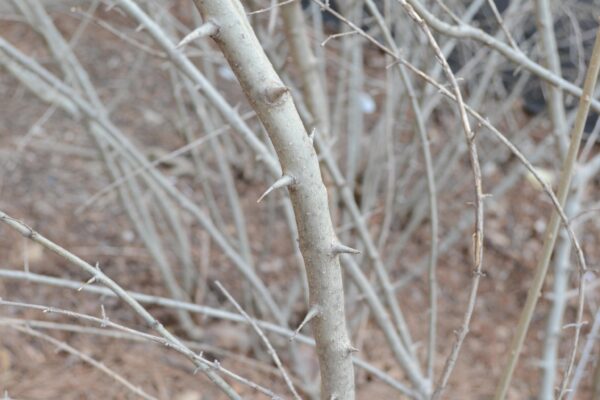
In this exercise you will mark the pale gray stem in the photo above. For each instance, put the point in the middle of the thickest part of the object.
(119, 142)
(552, 228)
(87, 359)
(72, 69)
(431, 190)
(586, 355)
(466, 31)
(554, 324)
(274, 106)
(401, 354)
(123, 295)
(198, 309)
(556, 107)
(264, 339)
(312, 85)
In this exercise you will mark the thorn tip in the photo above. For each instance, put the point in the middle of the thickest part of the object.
(207, 29)
(338, 248)
(285, 180)
(312, 135)
(312, 313)
(351, 349)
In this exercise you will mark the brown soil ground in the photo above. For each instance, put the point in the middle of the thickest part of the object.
(58, 169)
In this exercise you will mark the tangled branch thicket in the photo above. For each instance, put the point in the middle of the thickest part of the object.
(299, 199)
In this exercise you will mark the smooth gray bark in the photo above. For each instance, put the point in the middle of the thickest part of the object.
(273, 104)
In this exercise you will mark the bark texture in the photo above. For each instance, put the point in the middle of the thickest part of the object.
(273, 104)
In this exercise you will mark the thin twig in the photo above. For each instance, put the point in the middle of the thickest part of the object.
(550, 237)
(84, 357)
(194, 308)
(123, 295)
(263, 337)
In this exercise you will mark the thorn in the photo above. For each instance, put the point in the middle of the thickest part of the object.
(93, 278)
(312, 313)
(88, 282)
(338, 248)
(351, 349)
(285, 180)
(312, 136)
(207, 29)
(275, 93)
